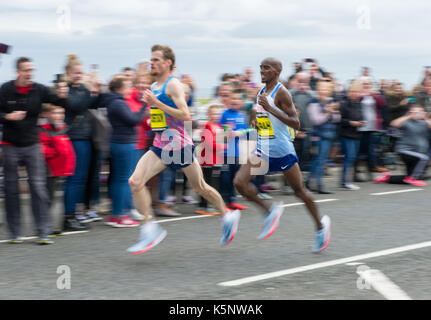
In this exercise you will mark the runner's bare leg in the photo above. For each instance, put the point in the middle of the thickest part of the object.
(148, 166)
(196, 179)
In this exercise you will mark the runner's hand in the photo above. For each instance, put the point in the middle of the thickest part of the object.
(263, 101)
(149, 97)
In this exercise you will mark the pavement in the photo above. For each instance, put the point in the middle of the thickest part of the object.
(380, 249)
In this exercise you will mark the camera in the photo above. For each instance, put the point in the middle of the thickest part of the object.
(4, 48)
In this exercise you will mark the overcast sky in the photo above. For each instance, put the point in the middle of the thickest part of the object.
(211, 37)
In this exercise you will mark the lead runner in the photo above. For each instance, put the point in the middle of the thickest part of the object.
(172, 147)
(275, 153)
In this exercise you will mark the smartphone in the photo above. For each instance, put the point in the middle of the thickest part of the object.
(4, 48)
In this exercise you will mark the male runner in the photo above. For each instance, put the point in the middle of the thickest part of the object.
(172, 147)
(275, 152)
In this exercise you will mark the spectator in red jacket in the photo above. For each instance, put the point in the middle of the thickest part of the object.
(212, 154)
(56, 148)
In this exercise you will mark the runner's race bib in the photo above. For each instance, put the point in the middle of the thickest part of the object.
(158, 120)
(292, 133)
(264, 126)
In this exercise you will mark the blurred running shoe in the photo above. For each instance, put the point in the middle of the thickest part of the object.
(135, 215)
(171, 199)
(350, 186)
(230, 223)
(271, 221)
(44, 241)
(414, 182)
(93, 216)
(264, 196)
(382, 178)
(189, 199)
(151, 235)
(16, 240)
(323, 236)
(268, 188)
(236, 206)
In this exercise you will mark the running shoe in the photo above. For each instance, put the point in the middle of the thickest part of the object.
(135, 215)
(230, 224)
(268, 188)
(151, 235)
(264, 196)
(271, 221)
(382, 178)
(350, 186)
(189, 199)
(16, 240)
(44, 241)
(93, 216)
(236, 206)
(82, 218)
(323, 236)
(112, 221)
(171, 199)
(414, 182)
(126, 222)
(207, 211)
(165, 213)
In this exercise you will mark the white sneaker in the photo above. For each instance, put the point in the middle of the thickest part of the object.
(189, 199)
(135, 215)
(350, 186)
(171, 199)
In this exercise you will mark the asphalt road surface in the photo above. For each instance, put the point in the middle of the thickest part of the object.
(380, 249)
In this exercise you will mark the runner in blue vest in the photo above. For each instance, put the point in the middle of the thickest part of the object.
(275, 115)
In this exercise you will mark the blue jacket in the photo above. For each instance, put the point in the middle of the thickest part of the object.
(122, 119)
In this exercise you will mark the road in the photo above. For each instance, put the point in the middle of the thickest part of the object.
(191, 265)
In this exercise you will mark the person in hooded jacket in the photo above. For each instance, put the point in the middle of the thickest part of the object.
(122, 145)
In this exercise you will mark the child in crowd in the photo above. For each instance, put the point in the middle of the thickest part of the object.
(56, 148)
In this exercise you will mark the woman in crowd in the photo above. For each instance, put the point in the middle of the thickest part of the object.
(122, 144)
(80, 99)
(324, 116)
(412, 147)
(351, 121)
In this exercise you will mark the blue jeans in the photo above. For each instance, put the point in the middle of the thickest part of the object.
(123, 160)
(227, 189)
(319, 160)
(369, 140)
(350, 148)
(167, 177)
(75, 185)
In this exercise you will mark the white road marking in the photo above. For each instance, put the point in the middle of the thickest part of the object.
(396, 191)
(382, 284)
(302, 203)
(326, 264)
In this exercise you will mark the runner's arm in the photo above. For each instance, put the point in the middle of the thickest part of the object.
(283, 101)
(176, 93)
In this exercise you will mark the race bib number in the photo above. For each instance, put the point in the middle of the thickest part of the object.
(292, 133)
(158, 120)
(264, 126)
